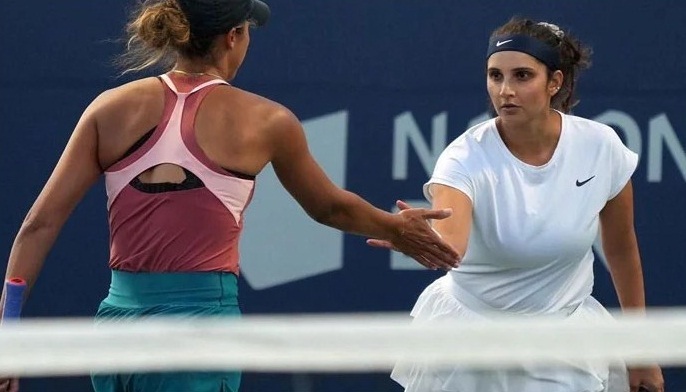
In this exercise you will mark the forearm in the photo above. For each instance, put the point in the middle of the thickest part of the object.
(352, 214)
(627, 277)
(30, 248)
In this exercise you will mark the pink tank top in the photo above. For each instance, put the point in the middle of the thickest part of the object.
(176, 230)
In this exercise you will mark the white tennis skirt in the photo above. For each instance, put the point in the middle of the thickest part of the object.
(438, 302)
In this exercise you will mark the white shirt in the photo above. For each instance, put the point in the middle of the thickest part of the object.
(533, 227)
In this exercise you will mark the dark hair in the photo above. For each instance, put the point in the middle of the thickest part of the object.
(574, 56)
(160, 30)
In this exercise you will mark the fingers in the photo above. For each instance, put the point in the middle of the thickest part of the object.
(427, 262)
(9, 385)
(437, 214)
(434, 251)
(442, 256)
(402, 205)
(423, 240)
(5, 385)
(443, 250)
(437, 233)
(380, 244)
(419, 240)
(646, 379)
(425, 213)
(430, 250)
(433, 259)
(652, 388)
(648, 387)
(430, 262)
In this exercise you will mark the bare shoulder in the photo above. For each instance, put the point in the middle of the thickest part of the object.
(137, 93)
(272, 115)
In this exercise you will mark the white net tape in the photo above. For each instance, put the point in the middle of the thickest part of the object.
(331, 343)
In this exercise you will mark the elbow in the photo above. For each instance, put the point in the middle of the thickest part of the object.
(332, 214)
(324, 216)
(36, 223)
(333, 211)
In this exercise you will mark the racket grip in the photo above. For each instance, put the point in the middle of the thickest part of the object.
(14, 295)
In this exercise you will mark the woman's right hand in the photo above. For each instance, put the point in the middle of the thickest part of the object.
(419, 240)
(9, 384)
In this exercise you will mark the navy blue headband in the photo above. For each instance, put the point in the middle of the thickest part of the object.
(526, 44)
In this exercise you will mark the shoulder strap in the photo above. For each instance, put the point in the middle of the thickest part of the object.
(209, 83)
(167, 80)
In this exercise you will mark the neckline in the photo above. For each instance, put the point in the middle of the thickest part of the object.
(196, 74)
(506, 151)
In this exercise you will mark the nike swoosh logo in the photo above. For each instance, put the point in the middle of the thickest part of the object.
(581, 183)
(502, 42)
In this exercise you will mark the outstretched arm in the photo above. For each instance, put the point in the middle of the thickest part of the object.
(332, 206)
(454, 229)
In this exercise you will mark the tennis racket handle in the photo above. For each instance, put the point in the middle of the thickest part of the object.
(14, 295)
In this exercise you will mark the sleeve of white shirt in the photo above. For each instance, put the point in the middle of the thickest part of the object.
(451, 172)
(624, 163)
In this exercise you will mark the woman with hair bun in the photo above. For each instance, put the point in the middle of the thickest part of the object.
(180, 154)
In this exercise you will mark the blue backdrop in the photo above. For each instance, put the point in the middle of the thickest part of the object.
(381, 86)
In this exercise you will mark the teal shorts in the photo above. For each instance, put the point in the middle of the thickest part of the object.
(187, 295)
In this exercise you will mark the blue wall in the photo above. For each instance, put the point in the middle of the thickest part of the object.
(371, 73)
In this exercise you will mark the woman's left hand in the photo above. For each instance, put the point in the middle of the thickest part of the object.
(647, 379)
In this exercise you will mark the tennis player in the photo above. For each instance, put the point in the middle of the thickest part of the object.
(180, 154)
(529, 190)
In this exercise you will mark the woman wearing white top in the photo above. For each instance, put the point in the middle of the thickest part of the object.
(529, 190)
